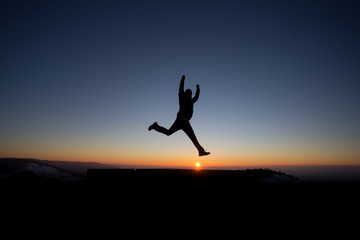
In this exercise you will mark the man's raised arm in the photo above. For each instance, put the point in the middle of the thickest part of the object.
(181, 88)
(197, 94)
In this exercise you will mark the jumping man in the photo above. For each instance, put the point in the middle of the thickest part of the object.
(186, 102)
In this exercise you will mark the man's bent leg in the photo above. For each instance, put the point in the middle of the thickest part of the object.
(190, 132)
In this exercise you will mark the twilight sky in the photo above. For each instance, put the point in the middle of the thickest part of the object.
(82, 80)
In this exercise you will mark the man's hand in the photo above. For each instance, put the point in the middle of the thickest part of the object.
(181, 88)
(197, 94)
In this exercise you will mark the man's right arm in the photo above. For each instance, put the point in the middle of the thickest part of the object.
(181, 88)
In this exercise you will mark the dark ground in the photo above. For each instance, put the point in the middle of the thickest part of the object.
(181, 198)
(179, 187)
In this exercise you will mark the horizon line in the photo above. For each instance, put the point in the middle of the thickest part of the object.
(224, 167)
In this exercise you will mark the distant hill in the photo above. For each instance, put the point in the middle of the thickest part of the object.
(28, 168)
(68, 171)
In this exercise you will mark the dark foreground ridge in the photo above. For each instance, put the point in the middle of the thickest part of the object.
(33, 188)
(230, 186)
(33, 177)
(187, 180)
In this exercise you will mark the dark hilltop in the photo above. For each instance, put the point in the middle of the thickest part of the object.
(87, 192)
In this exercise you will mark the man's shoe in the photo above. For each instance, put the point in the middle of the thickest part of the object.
(151, 127)
(203, 153)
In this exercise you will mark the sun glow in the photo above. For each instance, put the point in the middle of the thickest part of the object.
(197, 164)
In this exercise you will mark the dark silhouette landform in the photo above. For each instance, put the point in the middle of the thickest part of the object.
(35, 173)
(29, 171)
(168, 179)
(20, 177)
(94, 192)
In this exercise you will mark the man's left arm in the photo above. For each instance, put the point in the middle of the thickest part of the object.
(197, 94)
(181, 87)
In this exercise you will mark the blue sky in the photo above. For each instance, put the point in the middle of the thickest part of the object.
(84, 79)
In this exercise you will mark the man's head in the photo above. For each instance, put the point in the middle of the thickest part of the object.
(188, 93)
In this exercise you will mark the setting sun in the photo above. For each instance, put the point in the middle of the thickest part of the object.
(197, 164)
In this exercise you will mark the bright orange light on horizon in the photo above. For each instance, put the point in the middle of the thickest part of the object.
(197, 164)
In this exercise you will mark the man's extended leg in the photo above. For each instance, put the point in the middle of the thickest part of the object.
(175, 127)
(190, 132)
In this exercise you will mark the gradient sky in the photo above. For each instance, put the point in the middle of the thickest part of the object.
(83, 80)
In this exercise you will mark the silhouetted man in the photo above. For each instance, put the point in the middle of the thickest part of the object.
(184, 115)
